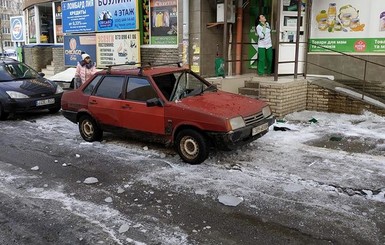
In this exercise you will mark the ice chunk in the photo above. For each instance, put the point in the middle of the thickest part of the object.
(90, 180)
(124, 228)
(108, 199)
(230, 200)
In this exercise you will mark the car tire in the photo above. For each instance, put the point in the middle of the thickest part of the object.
(3, 115)
(192, 146)
(54, 110)
(89, 129)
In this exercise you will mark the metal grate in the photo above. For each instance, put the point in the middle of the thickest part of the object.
(253, 119)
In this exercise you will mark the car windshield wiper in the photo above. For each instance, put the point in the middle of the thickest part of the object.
(212, 87)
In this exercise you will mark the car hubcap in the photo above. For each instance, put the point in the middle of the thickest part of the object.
(189, 147)
(88, 129)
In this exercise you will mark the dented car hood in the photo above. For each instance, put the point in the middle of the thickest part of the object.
(222, 104)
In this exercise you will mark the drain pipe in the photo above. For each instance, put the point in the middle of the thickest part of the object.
(186, 33)
(238, 47)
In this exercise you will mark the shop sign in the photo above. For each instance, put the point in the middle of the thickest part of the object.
(164, 22)
(116, 15)
(78, 16)
(349, 26)
(117, 48)
(17, 29)
(74, 45)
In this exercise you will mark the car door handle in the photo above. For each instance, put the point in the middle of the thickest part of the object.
(126, 106)
(93, 102)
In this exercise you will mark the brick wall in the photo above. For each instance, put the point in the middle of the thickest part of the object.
(38, 57)
(321, 99)
(58, 59)
(284, 98)
(160, 55)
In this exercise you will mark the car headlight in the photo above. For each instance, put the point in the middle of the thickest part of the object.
(59, 89)
(16, 95)
(237, 122)
(266, 111)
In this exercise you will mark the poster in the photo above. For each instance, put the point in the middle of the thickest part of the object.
(146, 22)
(116, 15)
(74, 45)
(164, 22)
(253, 47)
(31, 26)
(350, 26)
(78, 16)
(195, 65)
(58, 23)
(117, 48)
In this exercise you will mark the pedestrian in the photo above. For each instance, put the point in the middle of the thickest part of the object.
(84, 70)
(265, 50)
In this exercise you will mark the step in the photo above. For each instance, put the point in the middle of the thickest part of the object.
(252, 84)
(50, 67)
(248, 91)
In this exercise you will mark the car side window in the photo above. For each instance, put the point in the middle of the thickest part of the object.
(110, 87)
(90, 87)
(140, 89)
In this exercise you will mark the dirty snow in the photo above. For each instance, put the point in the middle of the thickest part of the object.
(282, 166)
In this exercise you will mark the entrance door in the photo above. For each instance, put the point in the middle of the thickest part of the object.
(287, 36)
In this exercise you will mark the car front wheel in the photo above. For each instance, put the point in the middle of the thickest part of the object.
(192, 146)
(89, 129)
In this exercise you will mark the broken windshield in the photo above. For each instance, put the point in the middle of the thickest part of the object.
(187, 84)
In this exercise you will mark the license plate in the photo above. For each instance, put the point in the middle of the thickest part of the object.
(45, 102)
(259, 129)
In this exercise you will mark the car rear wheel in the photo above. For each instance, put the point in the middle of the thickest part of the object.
(89, 129)
(192, 146)
(3, 115)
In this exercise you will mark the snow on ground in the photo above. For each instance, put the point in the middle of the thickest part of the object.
(306, 163)
(284, 156)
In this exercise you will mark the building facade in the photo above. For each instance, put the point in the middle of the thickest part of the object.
(200, 33)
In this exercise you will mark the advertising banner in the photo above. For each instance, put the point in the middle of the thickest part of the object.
(31, 26)
(116, 15)
(74, 45)
(17, 29)
(78, 16)
(58, 23)
(351, 26)
(117, 48)
(164, 19)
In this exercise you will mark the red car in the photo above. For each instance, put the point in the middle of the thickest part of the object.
(168, 103)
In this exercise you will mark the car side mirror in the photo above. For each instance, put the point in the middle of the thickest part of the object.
(154, 102)
(41, 74)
